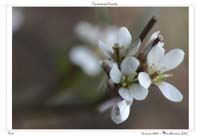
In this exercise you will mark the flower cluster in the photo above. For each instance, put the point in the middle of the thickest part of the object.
(84, 55)
(133, 75)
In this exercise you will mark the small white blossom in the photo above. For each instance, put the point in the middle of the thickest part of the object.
(121, 111)
(129, 89)
(158, 63)
(123, 42)
(93, 33)
(87, 32)
(86, 59)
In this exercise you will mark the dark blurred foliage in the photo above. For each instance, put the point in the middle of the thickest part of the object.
(50, 92)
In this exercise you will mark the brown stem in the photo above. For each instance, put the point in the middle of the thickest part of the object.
(142, 56)
(117, 52)
(148, 27)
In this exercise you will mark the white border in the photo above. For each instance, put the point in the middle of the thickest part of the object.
(2, 68)
(9, 66)
(191, 55)
(92, 132)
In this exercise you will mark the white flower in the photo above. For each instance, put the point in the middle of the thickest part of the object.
(87, 32)
(120, 111)
(159, 63)
(93, 33)
(127, 79)
(85, 58)
(123, 42)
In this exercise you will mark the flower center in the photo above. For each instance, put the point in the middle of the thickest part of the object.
(127, 80)
(157, 76)
(124, 81)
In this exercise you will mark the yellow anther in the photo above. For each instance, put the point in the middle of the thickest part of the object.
(124, 84)
(123, 78)
(157, 78)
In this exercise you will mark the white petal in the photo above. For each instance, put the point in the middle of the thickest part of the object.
(120, 112)
(161, 44)
(129, 65)
(134, 48)
(154, 35)
(152, 38)
(85, 58)
(87, 32)
(109, 35)
(115, 74)
(138, 92)
(170, 92)
(106, 50)
(124, 37)
(125, 94)
(155, 55)
(144, 79)
(171, 60)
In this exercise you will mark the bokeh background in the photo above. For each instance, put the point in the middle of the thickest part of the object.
(50, 91)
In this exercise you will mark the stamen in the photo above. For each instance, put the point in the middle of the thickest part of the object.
(124, 84)
(167, 75)
(123, 78)
(159, 78)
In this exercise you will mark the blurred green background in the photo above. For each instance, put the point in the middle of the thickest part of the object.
(49, 91)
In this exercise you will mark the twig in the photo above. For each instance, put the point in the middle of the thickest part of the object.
(148, 27)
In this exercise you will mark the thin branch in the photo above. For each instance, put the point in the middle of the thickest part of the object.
(148, 27)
